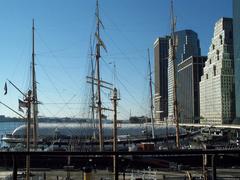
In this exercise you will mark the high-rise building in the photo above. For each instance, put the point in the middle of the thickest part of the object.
(187, 44)
(161, 77)
(236, 35)
(217, 103)
(189, 74)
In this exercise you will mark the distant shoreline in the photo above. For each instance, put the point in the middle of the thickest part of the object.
(44, 119)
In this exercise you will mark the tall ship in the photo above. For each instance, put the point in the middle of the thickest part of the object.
(34, 134)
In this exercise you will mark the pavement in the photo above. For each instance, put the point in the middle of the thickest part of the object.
(106, 175)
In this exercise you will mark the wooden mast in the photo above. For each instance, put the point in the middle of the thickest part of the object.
(31, 104)
(92, 87)
(34, 92)
(99, 103)
(151, 95)
(114, 99)
(173, 46)
(28, 101)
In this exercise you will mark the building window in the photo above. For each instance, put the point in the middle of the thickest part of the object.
(214, 70)
(221, 41)
(186, 39)
(230, 34)
(206, 76)
(217, 54)
(213, 46)
(210, 61)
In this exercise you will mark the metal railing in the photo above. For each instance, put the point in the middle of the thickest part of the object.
(163, 163)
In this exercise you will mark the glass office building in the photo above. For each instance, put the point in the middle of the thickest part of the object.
(187, 44)
(161, 77)
(189, 75)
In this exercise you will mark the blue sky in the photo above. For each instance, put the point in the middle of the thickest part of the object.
(63, 30)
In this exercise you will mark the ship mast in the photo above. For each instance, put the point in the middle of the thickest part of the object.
(92, 88)
(34, 92)
(173, 49)
(99, 103)
(151, 95)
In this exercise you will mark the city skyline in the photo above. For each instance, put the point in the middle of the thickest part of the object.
(62, 48)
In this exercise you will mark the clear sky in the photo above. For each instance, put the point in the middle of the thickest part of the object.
(63, 30)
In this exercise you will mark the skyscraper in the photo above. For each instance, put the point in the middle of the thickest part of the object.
(217, 103)
(236, 35)
(187, 44)
(161, 77)
(189, 74)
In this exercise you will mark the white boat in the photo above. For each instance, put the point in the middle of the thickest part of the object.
(85, 131)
